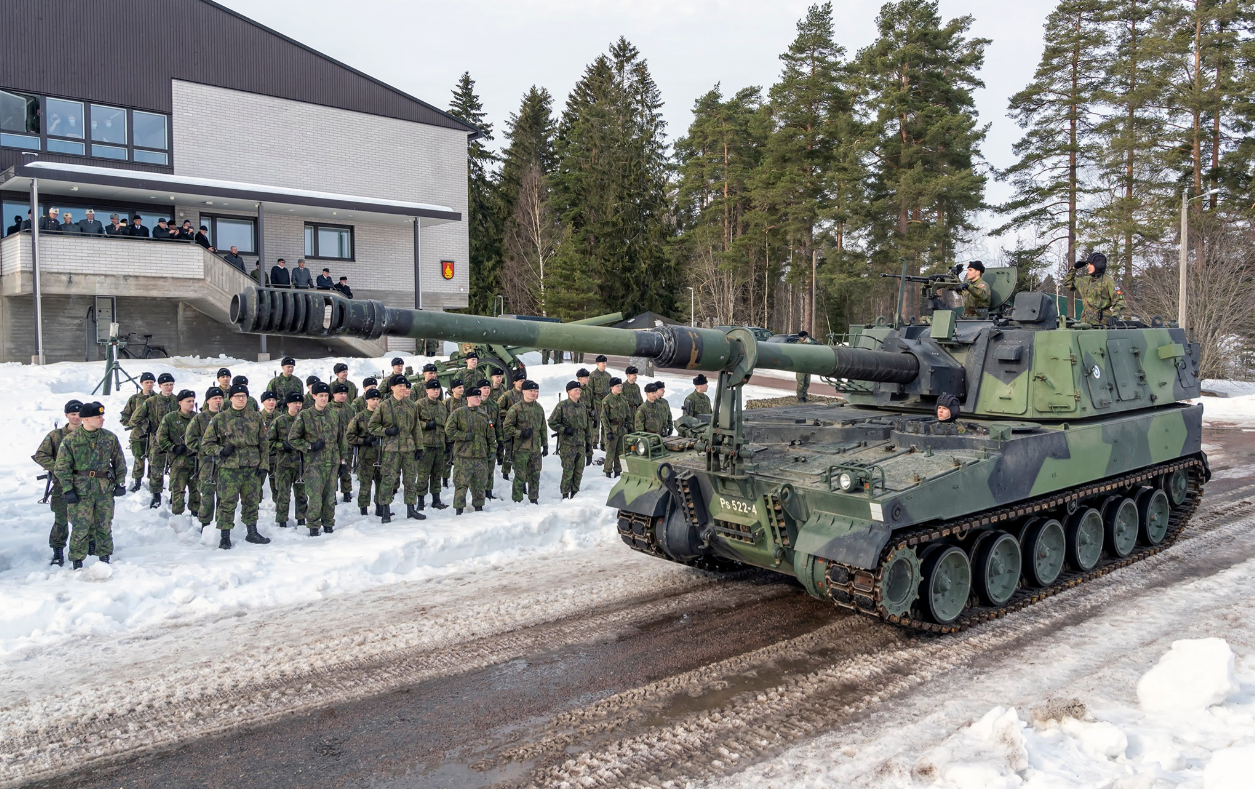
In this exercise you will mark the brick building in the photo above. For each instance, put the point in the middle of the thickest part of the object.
(186, 110)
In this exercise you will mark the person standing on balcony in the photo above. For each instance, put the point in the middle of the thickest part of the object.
(233, 257)
(185, 231)
(137, 227)
(324, 280)
(16, 227)
(300, 276)
(115, 228)
(68, 225)
(279, 275)
(202, 239)
(50, 223)
(90, 226)
(162, 231)
(343, 287)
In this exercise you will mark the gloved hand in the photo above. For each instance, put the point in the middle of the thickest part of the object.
(430, 425)
(374, 441)
(180, 449)
(392, 431)
(568, 431)
(525, 433)
(118, 490)
(544, 451)
(72, 498)
(318, 445)
(500, 454)
(588, 459)
(261, 473)
(227, 451)
(288, 447)
(1080, 264)
(418, 454)
(344, 469)
(588, 449)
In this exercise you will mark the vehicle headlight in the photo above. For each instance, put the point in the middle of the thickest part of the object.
(642, 449)
(845, 481)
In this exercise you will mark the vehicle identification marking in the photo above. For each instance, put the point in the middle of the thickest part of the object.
(743, 507)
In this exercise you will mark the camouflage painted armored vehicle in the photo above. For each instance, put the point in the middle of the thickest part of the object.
(1074, 454)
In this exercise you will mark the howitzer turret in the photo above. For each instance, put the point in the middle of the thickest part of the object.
(1074, 452)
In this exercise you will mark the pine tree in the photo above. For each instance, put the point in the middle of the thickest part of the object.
(530, 132)
(483, 212)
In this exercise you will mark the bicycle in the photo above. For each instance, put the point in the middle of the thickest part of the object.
(149, 351)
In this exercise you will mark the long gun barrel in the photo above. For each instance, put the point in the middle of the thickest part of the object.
(323, 314)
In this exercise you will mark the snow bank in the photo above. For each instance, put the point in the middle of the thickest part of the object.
(165, 572)
(1194, 675)
(1223, 411)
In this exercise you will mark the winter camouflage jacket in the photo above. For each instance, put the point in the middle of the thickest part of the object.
(147, 417)
(508, 400)
(429, 412)
(697, 404)
(401, 414)
(472, 432)
(327, 425)
(46, 455)
(1101, 297)
(522, 416)
(172, 433)
(615, 413)
(599, 383)
(90, 463)
(277, 436)
(282, 384)
(358, 435)
(654, 418)
(570, 414)
(196, 431)
(241, 429)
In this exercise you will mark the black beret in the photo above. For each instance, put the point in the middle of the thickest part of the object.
(320, 388)
(616, 381)
(471, 355)
(497, 374)
(519, 376)
(88, 410)
(660, 384)
(699, 380)
(215, 391)
(429, 368)
(529, 385)
(473, 393)
(340, 367)
(338, 387)
(601, 357)
(293, 397)
(397, 360)
(372, 381)
(803, 333)
(239, 389)
(976, 264)
(572, 385)
(371, 394)
(455, 383)
(482, 383)
(432, 384)
(240, 379)
(581, 373)
(267, 395)
(146, 377)
(311, 380)
(165, 378)
(398, 380)
(223, 371)
(631, 370)
(183, 395)
(650, 388)
(286, 361)
(73, 406)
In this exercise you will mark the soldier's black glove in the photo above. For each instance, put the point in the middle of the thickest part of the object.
(430, 425)
(500, 454)
(179, 449)
(392, 431)
(261, 473)
(568, 431)
(118, 490)
(418, 454)
(318, 445)
(588, 459)
(525, 433)
(71, 497)
(287, 447)
(544, 451)
(1080, 264)
(374, 441)
(227, 451)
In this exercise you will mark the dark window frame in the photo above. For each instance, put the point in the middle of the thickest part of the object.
(87, 141)
(212, 221)
(352, 258)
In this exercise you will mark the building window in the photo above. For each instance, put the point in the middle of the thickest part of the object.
(231, 231)
(108, 125)
(65, 119)
(151, 137)
(329, 242)
(71, 127)
(19, 120)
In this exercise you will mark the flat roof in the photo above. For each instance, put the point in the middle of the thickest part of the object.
(86, 181)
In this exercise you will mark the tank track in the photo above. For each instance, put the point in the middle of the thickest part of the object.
(858, 589)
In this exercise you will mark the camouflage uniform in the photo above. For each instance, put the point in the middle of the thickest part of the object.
(46, 457)
(976, 298)
(148, 418)
(91, 463)
(632, 393)
(369, 465)
(697, 404)
(505, 402)
(1101, 297)
(526, 452)
(345, 413)
(575, 446)
(493, 411)
(206, 482)
(352, 389)
(183, 490)
(474, 438)
(453, 404)
(321, 465)
(267, 419)
(804, 379)
(286, 471)
(431, 464)
(399, 464)
(282, 385)
(240, 473)
(654, 418)
(139, 441)
(615, 413)
(599, 387)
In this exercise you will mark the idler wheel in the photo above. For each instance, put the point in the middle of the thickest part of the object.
(1085, 536)
(947, 584)
(997, 568)
(1045, 547)
(1119, 517)
(1176, 484)
(1153, 512)
(899, 583)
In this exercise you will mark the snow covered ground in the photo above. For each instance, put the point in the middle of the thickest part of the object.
(166, 573)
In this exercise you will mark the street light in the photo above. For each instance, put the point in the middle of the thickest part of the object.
(1185, 232)
(692, 307)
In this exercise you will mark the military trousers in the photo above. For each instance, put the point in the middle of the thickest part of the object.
(572, 469)
(803, 385)
(320, 486)
(368, 474)
(208, 487)
(60, 533)
(184, 492)
(92, 521)
(346, 479)
(614, 451)
(507, 459)
(287, 488)
(400, 469)
(156, 469)
(448, 463)
(473, 474)
(139, 450)
(240, 486)
(430, 471)
(526, 475)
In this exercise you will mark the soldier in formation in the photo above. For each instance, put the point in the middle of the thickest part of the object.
(341, 376)
(576, 433)
(359, 403)
(54, 494)
(976, 292)
(251, 404)
(432, 414)
(505, 402)
(429, 375)
(285, 383)
(497, 389)
(206, 464)
(224, 379)
(654, 416)
(269, 412)
(289, 482)
(474, 438)
(632, 393)
(455, 400)
(147, 418)
(616, 416)
(318, 434)
(1098, 291)
(490, 408)
(395, 421)
(139, 441)
(367, 446)
(310, 380)
(698, 402)
(340, 405)
(91, 471)
(172, 444)
(524, 429)
(599, 387)
(804, 379)
(237, 438)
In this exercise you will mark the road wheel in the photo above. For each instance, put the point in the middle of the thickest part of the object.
(947, 584)
(899, 583)
(1085, 536)
(1119, 517)
(1153, 512)
(997, 568)
(1045, 547)
(1176, 484)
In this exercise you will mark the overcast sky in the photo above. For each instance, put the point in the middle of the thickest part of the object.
(422, 47)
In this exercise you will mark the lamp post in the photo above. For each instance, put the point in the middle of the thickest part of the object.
(1185, 233)
(692, 307)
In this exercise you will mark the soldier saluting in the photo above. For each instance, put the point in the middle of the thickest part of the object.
(46, 457)
(91, 469)
(1098, 291)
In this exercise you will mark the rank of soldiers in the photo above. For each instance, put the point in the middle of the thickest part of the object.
(307, 439)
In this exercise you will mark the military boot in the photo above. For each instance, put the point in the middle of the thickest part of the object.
(479, 509)
(135, 485)
(77, 564)
(282, 524)
(533, 501)
(488, 494)
(411, 511)
(58, 557)
(224, 539)
(328, 528)
(313, 531)
(378, 510)
(348, 496)
(505, 475)
(300, 521)
(363, 509)
(254, 536)
(105, 558)
(437, 503)
(156, 502)
(385, 513)
(457, 511)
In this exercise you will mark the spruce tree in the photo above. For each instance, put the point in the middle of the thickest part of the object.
(483, 211)
(530, 132)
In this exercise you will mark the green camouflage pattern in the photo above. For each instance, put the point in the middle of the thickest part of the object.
(617, 422)
(473, 474)
(147, 420)
(1100, 296)
(90, 463)
(206, 484)
(401, 414)
(283, 385)
(576, 447)
(322, 466)
(239, 475)
(238, 485)
(184, 492)
(400, 469)
(976, 298)
(653, 418)
(46, 457)
(138, 440)
(526, 452)
(472, 432)
(696, 404)
(368, 466)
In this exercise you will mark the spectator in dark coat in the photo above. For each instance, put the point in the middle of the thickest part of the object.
(115, 228)
(162, 231)
(16, 227)
(202, 239)
(68, 225)
(137, 227)
(324, 280)
(185, 231)
(26, 225)
(52, 222)
(300, 276)
(343, 287)
(279, 275)
(233, 257)
(90, 226)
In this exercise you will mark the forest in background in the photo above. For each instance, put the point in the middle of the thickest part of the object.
(781, 205)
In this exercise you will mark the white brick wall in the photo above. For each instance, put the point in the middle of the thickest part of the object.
(232, 135)
(80, 255)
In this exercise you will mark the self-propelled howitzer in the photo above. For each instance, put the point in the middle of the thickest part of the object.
(1075, 452)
